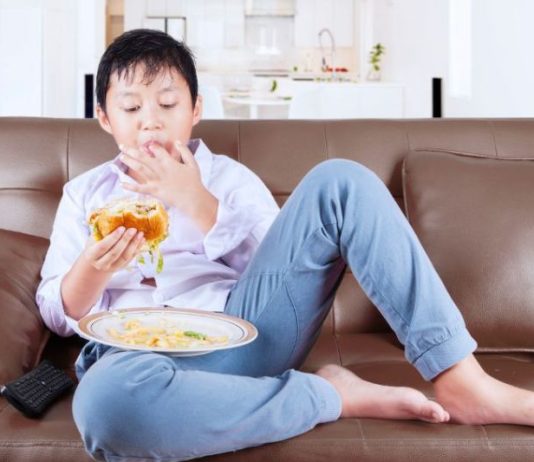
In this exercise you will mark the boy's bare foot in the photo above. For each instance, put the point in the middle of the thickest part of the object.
(365, 399)
(471, 396)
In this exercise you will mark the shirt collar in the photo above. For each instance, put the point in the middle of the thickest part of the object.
(202, 153)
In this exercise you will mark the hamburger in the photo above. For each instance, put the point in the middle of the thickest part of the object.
(146, 215)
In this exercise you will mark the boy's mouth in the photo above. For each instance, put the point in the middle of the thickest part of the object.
(147, 146)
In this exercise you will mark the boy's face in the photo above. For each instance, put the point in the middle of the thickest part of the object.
(138, 113)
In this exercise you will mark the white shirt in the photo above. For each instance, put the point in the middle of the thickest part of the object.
(199, 270)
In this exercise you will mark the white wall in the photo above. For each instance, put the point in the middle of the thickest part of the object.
(46, 47)
(20, 58)
(502, 61)
(91, 44)
(59, 58)
(417, 37)
(415, 34)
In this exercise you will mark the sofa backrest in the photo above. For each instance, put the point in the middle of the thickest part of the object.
(38, 155)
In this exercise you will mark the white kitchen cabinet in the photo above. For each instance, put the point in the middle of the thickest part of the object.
(343, 100)
(382, 101)
(270, 7)
(195, 16)
(324, 15)
(165, 8)
(234, 24)
(215, 25)
(343, 23)
(305, 30)
(175, 8)
(156, 8)
(313, 15)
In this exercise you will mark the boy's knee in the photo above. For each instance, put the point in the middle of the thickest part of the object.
(96, 408)
(120, 415)
(344, 173)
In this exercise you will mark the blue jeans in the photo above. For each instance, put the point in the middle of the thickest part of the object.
(146, 406)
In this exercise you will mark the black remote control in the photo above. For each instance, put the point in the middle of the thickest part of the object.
(35, 391)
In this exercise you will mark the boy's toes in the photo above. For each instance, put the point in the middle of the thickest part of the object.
(430, 411)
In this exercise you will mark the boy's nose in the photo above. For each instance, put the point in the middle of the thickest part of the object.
(150, 120)
(151, 123)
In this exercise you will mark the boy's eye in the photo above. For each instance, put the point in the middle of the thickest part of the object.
(168, 106)
(131, 108)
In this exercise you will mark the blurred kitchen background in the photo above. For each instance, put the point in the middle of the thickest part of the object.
(285, 58)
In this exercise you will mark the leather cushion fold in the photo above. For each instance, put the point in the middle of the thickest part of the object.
(22, 332)
(475, 218)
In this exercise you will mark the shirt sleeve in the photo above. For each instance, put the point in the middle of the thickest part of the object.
(69, 236)
(245, 213)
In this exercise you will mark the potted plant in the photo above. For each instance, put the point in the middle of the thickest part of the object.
(374, 59)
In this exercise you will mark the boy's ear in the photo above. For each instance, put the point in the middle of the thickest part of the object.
(103, 119)
(197, 110)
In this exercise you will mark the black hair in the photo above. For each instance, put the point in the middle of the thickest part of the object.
(155, 49)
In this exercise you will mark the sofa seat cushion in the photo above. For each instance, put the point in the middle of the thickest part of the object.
(475, 218)
(51, 438)
(378, 358)
(22, 332)
(375, 440)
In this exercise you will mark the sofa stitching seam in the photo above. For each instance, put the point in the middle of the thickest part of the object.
(492, 129)
(362, 433)
(338, 349)
(40, 443)
(486, 439)
(239, 141)
(407, 132)
(325, 141)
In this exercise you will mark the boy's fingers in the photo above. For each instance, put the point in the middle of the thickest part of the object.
(138, 188)
(128, 251)
(187, 156)
(127, 149)
(138, 154)
(131, 186)
(160, 153)
(100, 248)
(138, 166)
(116, 253)
(162, 158)
(134, 247)
(132, 152)
(153, 157)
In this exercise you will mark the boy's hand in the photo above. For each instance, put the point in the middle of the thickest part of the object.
(175, 182)
(115, 251)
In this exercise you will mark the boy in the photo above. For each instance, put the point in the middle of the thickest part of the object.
(231, 250)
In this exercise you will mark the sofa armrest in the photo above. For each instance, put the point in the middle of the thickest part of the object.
(23, 335)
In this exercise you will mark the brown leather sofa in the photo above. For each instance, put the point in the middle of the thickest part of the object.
(468, 189)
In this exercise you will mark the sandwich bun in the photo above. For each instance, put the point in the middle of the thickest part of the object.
(146, 215)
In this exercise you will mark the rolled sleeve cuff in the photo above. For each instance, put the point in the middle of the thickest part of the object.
(231, 228)
(53, 311)
(446, 354)
(331, 407)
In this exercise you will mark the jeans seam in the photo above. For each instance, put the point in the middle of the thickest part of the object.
(282, 273)
(297, 336)
(284, 285)
(288, 291)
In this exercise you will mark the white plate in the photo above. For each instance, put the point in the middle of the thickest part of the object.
(239, 332)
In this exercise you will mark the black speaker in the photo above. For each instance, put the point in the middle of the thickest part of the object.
(437, 97)
(88, 96)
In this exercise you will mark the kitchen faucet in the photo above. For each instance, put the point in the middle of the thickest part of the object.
(324, 67)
